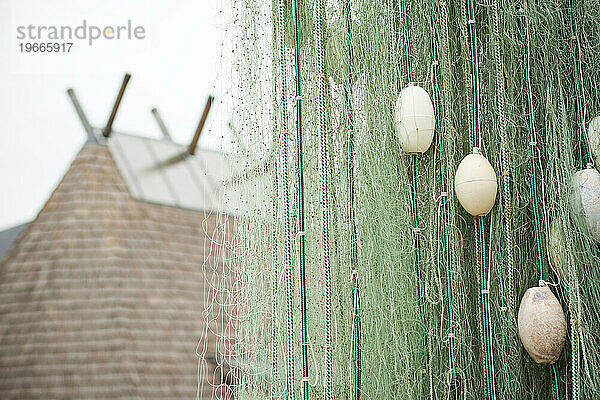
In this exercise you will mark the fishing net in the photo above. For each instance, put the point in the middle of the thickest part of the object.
(349, 268)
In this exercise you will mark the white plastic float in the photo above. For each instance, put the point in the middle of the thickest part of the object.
(475, 184)
(415, 120)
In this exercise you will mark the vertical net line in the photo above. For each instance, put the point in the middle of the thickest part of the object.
(556, 379)
(417, 249)
(285, 138)
(506, 312)
(404, 18)
(444, 194)
(505, 161)
(574, 320)
(579, 79)
(472, 33)
(574, 293)
(574, 358)
(274, 288)
(301, 232)
(324, 171)
(523, 24)
(505, 347)
(467, 78)
(275, 213)
(476, 142)
(448, 136)
(524, 28)
(348, 94)
(415, 204)
(485, 293)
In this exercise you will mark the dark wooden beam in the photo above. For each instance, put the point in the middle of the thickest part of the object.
(192, 147)
(108, 129)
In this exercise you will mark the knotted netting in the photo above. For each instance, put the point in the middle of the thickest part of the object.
(351, 270)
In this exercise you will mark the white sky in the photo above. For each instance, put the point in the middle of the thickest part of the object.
(180, 62)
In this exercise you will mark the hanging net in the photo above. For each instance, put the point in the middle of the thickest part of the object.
(348, 268)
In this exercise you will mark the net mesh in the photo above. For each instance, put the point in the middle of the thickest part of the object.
(377, 326)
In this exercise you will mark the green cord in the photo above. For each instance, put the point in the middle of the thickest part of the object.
(413, 160)
(580, 105)
(417, 242)
(404, 17)
(302, 254)
(532, 145)
(353, 239)
(289, 285)
(476, 143)
(414, 193)
(324, 180)
(505, 342)
(275, 207)
(474, 72)
(534, 191)
(485, 310)
(506, 282)
(556, 381)
(444, 198)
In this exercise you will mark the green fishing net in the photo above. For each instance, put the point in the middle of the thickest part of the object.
(394, 323)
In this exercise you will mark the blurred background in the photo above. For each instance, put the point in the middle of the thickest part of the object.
(183, 59)
(113, 240)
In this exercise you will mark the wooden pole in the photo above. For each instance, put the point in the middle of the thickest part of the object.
(82, 117)
(192, 147)
(107, 130)
(161, 124)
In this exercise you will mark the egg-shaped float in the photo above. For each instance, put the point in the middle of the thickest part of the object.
(587, 198)
(542, 325)
(415, 120)
(475, 184)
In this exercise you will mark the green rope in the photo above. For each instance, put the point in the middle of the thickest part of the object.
(476, 142)
(474, 72)
(532, 142)
(415, 200)
(301, 233)
(506, 351)
(289, 285)
(485, 312)
(580, 95)
(275, 234)
(324, 170)
(507, 202)
(404, 18)
(533, 146)
(443, 196)
(348, 94)
(417, 243)
(556, 382)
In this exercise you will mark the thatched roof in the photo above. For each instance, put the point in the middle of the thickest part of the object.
(8, 237)
(104, 296)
